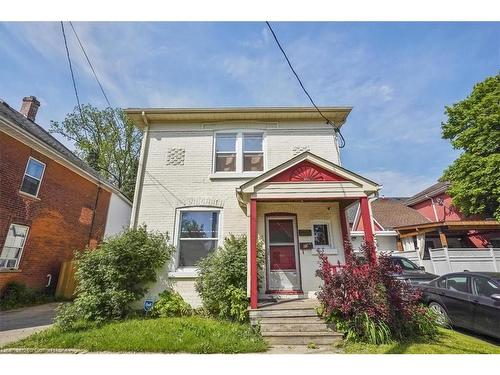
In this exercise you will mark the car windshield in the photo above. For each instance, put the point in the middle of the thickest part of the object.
(406, 264)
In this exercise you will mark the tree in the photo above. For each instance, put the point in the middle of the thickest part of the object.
(107, 140)
(474, 126)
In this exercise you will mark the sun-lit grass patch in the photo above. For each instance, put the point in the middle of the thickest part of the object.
(168, 335)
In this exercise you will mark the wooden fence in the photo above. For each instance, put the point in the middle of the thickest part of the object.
(66, 283)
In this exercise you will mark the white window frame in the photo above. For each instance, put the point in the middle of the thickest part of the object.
(26, 174)
(330, 249)
(21, 251)
(191, 271)
(239, 154)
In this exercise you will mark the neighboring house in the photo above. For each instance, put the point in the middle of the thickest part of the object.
(269, 173)
(388, 213)
(447, 227)
(51, 202)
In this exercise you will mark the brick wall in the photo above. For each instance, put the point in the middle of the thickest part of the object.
(60, 219)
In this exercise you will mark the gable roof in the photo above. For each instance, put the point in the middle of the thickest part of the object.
(15, 119)
(431, 191)
(314, 159)
(389, 212)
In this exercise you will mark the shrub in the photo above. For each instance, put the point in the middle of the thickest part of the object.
(222, 279)
(369, 304)
(115, 274)
(170, 303)
(18, 295)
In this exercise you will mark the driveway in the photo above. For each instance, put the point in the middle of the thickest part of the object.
(20, 323)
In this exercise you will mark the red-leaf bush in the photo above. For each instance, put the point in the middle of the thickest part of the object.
(366, 301)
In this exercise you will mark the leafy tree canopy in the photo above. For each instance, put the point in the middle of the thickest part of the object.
(107, 140)
(474, 126)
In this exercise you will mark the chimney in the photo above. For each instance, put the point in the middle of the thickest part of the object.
(29, 107)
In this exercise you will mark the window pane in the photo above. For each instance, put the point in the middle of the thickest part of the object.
(199, 224)
(281, 231)
(282, 257)
(191, 251)
(13, 246)
(30, 185)
(484, 287)
(253, 162)
(321, 235)
(252, 142)
(35, 168)
(225, 143)
(457, 284)
(225, 163)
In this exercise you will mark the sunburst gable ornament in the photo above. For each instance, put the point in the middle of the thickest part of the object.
(306, 173)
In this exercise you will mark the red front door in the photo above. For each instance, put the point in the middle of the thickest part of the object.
(282, 250)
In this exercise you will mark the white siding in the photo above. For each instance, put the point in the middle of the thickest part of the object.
(118, 215)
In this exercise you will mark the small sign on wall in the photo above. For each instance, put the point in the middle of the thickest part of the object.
(306, 246)
(305, 232)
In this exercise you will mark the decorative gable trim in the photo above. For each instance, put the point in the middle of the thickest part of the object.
(306, 171)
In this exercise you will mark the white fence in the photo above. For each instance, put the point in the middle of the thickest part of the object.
(446, 260)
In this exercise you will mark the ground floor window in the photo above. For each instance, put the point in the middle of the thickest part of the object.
(322, 234)
(198, 235)
(13, 246)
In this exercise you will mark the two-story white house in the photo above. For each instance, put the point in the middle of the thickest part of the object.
(270, 173)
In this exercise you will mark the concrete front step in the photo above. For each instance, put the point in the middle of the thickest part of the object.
(294, 327)
(291, 320)
(301, 338)
(282, 313)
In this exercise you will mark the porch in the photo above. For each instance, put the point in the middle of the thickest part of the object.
(298, 210)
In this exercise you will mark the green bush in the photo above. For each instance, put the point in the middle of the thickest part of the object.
(18, 295)
(222, 279)
(115, 274)
(170, 304)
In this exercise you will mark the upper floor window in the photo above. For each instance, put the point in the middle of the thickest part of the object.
(32, 177)
(13, 246)
(225, 152)
(253, 154)
(239, 152)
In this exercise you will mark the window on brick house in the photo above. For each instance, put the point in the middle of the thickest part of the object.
(198, 235)
(253, 155)
(225, 152)
(32, 177)
(13, 246)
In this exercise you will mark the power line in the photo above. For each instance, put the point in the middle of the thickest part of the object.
(90, 64)
(71, 70)
(337, 130)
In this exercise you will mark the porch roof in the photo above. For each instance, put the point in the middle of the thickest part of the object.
(307, 176)
(411, 230)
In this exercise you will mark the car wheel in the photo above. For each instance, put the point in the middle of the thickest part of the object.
(441, 316)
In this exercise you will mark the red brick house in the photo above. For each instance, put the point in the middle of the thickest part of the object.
(51, 202)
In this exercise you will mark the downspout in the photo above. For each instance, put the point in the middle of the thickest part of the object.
(433, 207)
(140, 172)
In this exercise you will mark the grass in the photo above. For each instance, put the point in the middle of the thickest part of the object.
(164, 335)
(449, 342)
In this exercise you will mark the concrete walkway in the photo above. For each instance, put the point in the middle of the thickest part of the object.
(20, 323)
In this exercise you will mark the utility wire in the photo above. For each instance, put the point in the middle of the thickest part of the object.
(72, 73)
(336, 129)
(90, 64)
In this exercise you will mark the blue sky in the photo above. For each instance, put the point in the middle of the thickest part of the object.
(397, 76)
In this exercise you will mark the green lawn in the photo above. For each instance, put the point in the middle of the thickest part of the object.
(167, 335)
(449, 342)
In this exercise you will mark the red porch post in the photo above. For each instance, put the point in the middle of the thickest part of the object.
(343, 227)
(253, 254)
(367, 222)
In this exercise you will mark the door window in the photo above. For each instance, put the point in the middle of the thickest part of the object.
(484, 287)
(282, 245)
(457, 284)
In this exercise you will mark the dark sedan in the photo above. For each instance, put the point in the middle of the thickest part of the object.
(411, 272)
(470, 300)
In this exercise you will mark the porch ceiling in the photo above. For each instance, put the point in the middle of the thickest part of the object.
(412, 230)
